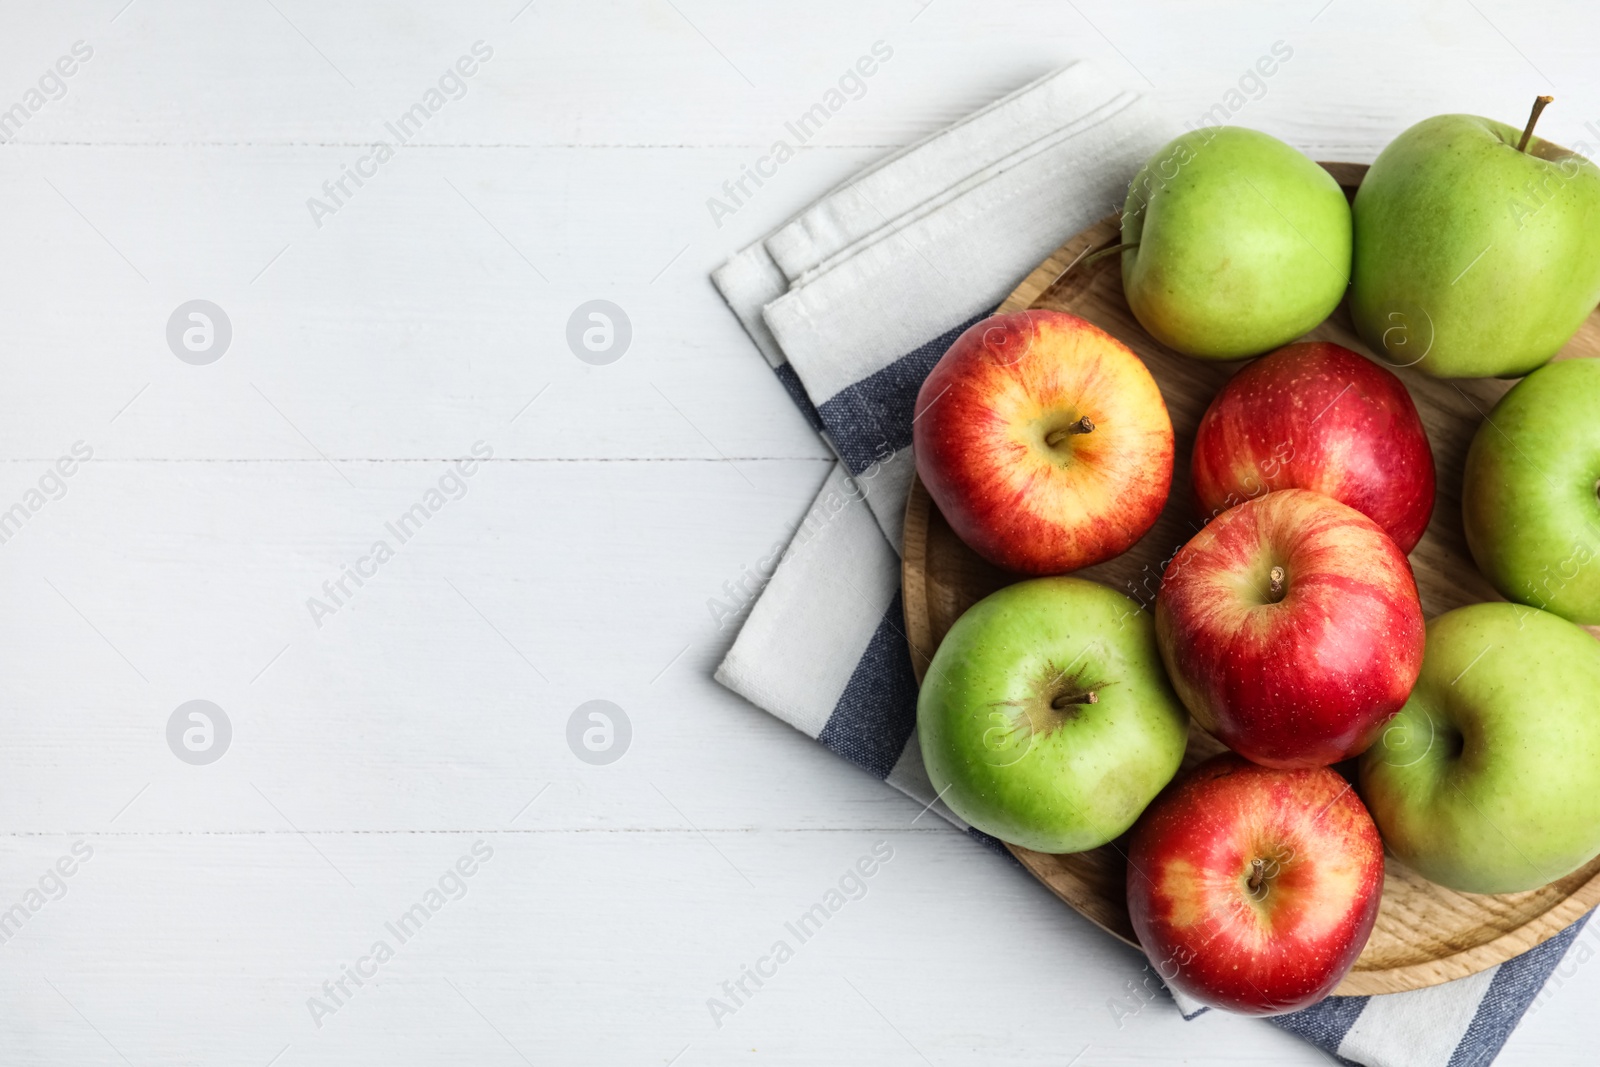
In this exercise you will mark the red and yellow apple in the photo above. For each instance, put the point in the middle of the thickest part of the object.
(1044, 441)
(1291, 629)
(1253, 889)
(1318, 416)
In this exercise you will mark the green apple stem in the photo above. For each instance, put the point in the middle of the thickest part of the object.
(1539, 104)
(1062, 703)
(1095, 257)
(1276, 582)
(1055, 437)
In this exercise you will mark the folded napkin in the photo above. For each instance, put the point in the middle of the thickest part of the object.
(852, 302)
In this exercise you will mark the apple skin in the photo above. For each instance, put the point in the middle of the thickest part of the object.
(994, 442)
(1318, 416)
(1488, 781)
(1452, 189)
(1309, 679)
(1008, 761)
(1529, 501)
(1243, 243)
(1286, 943)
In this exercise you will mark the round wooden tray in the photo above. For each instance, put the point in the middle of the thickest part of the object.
(1425, 934)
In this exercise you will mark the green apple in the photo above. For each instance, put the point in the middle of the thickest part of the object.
(1488, 780)
(1529, 504)
(1233, 243)
(1475, 258)
(1046, 717)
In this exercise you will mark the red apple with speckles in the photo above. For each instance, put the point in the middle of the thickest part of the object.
(1318, 416)
(1253, 889)
(1044, 442)
(1291, 629)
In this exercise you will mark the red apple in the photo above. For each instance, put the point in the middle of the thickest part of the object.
(1253, 889)
(1291, 628)
(1317, 416)
(1044, 441)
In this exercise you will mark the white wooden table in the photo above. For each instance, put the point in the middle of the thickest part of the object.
(423, 713)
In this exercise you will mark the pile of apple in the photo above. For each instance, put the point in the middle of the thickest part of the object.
(1055, 713)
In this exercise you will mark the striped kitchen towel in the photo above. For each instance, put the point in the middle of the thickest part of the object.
(852, 302)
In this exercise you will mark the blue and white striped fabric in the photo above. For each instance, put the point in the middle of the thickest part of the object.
(852, 302)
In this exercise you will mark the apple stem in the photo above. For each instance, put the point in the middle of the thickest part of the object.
(1539, 104)
(1064, 702)
(1095, 257)
(1275, 588)
(1258, 874)
(1055, 437)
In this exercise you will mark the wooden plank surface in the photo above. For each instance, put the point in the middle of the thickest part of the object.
(414, 323)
